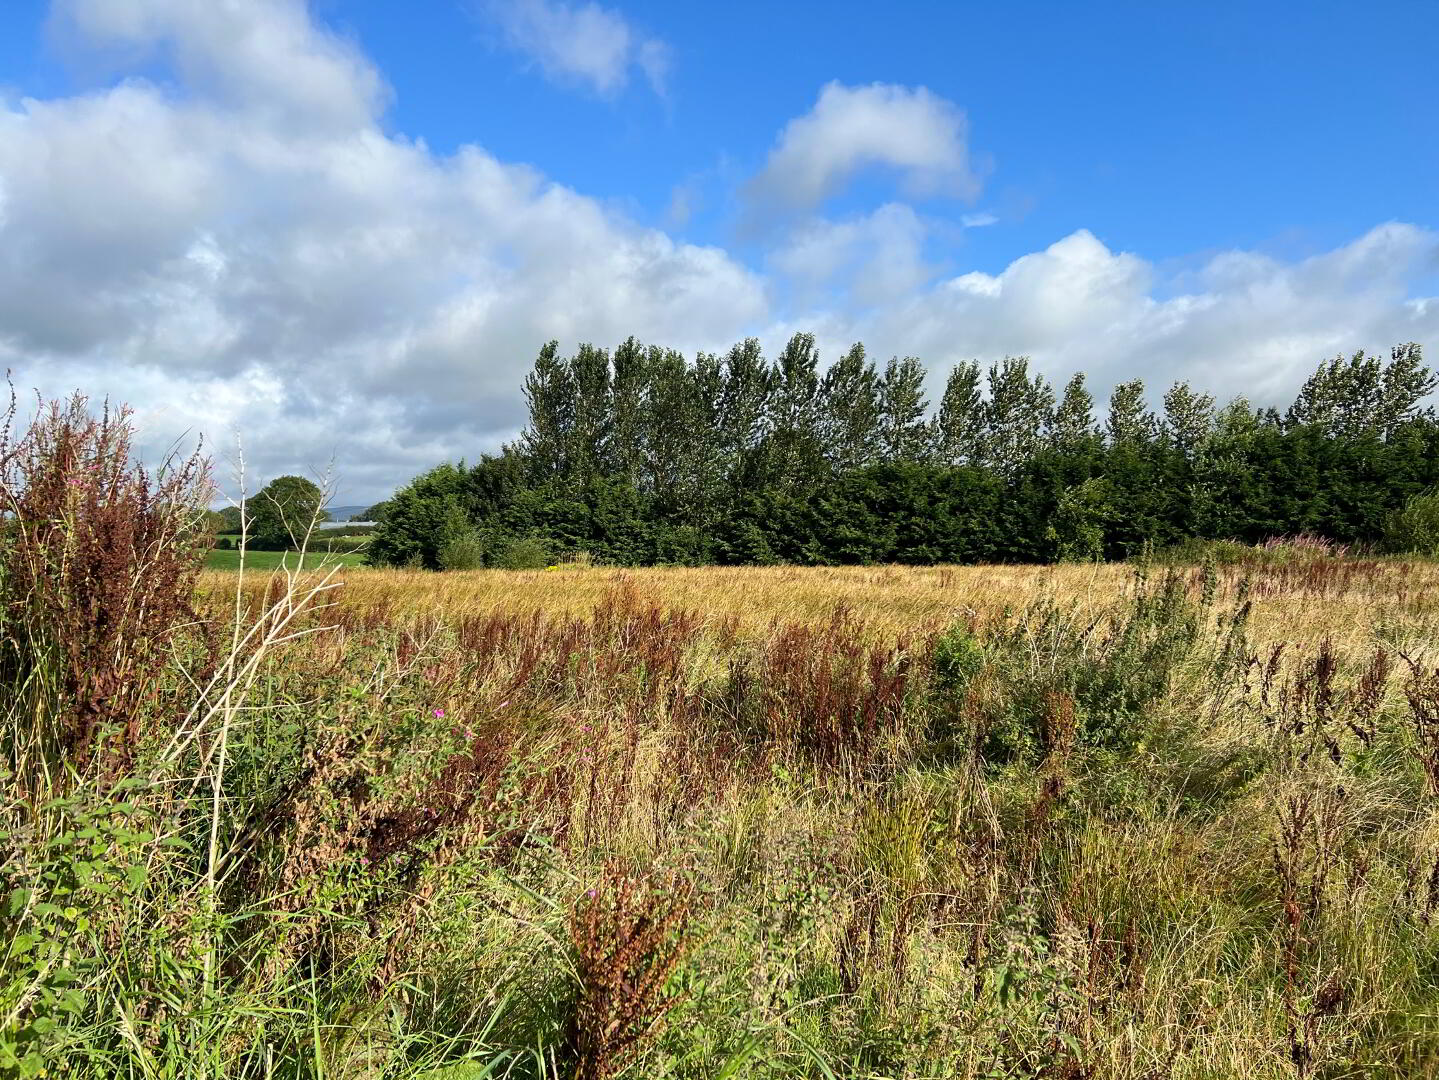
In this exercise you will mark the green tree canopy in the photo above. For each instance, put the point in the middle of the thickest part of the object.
(283, 512)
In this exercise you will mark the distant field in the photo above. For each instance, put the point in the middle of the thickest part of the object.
(219, 559)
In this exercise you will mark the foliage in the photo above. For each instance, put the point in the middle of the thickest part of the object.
(924, 823)
(284, 512)
(523, 553)
(463, 550)
(643, 458)
(1414, 529)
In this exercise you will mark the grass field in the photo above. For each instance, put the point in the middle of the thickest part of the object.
(221, 559)
(1060, 822)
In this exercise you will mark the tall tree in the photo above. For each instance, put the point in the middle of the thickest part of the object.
(744, 400)
(850, 411)
(959, 424)
(1130, 423)
(1188, 418)
(283, 512)
(1340, 397)
(590, 437)
(903, 433)
(1406, 381)
(794, 413)
(673, 421)
(549, 391)
(630, 382)
(1073, 426)
(1016, 415)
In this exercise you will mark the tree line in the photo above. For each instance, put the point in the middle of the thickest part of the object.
(639, 455)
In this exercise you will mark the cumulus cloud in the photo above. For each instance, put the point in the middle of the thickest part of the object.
(918, 135)
(863, 261)
(1241, 323)
(239, 251)
(232, 258)
(586, 44)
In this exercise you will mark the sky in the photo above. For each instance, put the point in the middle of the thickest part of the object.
(330, 237)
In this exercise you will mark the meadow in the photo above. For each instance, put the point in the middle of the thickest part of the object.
(1091, 820)
(230, 559)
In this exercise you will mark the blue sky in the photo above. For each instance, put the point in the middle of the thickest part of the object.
(209, 204)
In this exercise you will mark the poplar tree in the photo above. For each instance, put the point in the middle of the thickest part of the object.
(1406, 381)
(794, 413)
(1130, 422)
(1074, 425)
(959, 424)
(1188, 418)
(744, 401)
(549, 390)
(629, 385)
(590, 369)
(903, 433)
(671, 420)
(850, 411)
(1017, 414)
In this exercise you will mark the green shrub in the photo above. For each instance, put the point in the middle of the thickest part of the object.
(1059, 670)
(462, 551)
(524, 553)
(1195, 552)
(1414, 530)
(957, 658)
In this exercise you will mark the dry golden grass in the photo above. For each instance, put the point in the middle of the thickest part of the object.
(1351, 605)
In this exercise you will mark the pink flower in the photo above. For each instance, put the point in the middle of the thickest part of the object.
(439, 714)
(364, 860)
(590, 893)
(587, 727)
(470, 734)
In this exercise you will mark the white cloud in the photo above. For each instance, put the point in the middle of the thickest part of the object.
(259, 56)
(917, 134)
(226, 256)
(581, 43)
(1243, 323)
(978, 221)
(863, 261)
(240, 252)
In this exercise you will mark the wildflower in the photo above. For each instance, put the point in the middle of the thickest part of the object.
(470, 734)
(438, 713)
(590, 894)
(364, 860)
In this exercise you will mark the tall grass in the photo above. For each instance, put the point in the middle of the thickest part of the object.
(985, 822)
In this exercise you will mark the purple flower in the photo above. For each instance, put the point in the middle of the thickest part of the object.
(439, 714)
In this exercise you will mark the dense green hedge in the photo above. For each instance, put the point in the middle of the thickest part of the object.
(642, 458)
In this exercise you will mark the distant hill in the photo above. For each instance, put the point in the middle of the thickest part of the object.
(345, 513)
